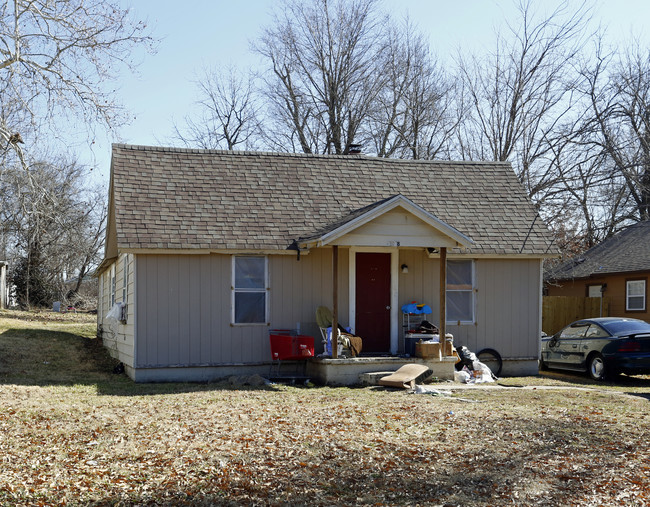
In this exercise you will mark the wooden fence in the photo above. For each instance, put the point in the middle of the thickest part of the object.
(558, 311)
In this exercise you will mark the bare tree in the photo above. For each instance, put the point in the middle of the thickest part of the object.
(228, 112)
(519, 96)
(56, 58)
(324, 73)
(585, 194)
(54, 225)
(414, 113)
(617, 87)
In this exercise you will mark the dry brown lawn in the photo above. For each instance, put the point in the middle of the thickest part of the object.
(74, 433)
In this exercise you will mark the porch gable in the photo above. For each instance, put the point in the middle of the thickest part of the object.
(395, 222)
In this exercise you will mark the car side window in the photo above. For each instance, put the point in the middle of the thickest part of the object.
(573, 332)
(595, 331)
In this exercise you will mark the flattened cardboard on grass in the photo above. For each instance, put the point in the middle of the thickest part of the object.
(406, 376)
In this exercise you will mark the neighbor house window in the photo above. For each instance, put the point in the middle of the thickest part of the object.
(460, 291)
(635, 295)
(249, 290)
(594, 291)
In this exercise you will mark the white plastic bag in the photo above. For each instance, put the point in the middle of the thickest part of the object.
(482, 373)
(462, 377)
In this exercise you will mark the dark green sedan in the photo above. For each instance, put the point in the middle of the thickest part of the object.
(601, 347)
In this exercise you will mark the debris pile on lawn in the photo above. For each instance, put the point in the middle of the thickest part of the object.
(469, 370)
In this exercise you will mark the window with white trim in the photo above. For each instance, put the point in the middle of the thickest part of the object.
(125, 278)
(249, 290)
(460, 291)
(635, 295)
(595, 291)
(113, 283)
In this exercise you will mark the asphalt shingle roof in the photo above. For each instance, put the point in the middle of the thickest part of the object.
(169, 198)
(628, 251)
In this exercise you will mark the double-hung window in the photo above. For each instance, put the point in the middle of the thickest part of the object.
(125, 278)
(635, 295)
(249, 290)
(460, 291)
(113, 284)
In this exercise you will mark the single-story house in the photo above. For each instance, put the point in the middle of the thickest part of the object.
(618, 268)
(210, 250)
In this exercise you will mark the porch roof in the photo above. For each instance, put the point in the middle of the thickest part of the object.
(332, 234)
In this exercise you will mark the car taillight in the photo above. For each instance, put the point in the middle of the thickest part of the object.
(629, 346)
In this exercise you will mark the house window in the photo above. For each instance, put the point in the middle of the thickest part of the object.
(113, 282)
(635, 295)
(125, 278)
(249, 294)
(594, 291)
(460, 291)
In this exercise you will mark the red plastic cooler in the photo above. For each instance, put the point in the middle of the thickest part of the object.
(286, 345)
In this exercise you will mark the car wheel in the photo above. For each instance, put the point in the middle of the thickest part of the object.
(596, 367)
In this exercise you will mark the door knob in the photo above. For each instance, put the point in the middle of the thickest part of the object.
(388, 308)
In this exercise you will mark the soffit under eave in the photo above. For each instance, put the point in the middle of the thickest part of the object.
(110, 245)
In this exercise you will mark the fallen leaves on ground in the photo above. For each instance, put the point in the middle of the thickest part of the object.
(108, 442)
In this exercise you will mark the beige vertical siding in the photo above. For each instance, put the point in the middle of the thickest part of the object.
(184, 307)
(509, 304)
(119, 339)
(507, 308)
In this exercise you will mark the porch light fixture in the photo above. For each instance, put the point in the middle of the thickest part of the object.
(405, 268)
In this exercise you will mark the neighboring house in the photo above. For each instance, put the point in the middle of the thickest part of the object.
(86, 294)
(209, 250)
(4, 290)
(618, 268)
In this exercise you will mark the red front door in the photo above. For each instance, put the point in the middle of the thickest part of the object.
(372, 322)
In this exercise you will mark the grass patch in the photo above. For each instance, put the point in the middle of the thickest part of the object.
(75, 433)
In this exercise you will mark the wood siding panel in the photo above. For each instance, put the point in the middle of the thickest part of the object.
(507, 302)
(202, 299)
(298, 288)
(508, 306)
(421, 283)
(185, 307)
(117, 337)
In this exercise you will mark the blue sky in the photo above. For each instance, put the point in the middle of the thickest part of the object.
(197, 34)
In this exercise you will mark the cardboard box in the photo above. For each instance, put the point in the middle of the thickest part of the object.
(448, 349)
(428, 350)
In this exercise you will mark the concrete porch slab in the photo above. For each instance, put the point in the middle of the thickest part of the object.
(348, 371)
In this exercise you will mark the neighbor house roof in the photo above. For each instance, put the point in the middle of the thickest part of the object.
(627, 251)
(169, 198)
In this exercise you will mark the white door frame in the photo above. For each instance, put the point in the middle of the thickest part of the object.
(394, 289)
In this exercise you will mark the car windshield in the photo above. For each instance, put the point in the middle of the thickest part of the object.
(621, 327)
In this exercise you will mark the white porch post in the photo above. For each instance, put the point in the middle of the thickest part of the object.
(443, 295)
(335, 301)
